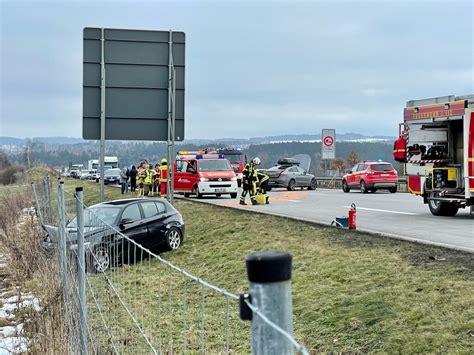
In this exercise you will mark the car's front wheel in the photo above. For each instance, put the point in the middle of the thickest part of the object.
(99, 260)
(363, 187)
(197, 193)
(173, 238)
(393, 189)
(313, 184)
(345, 187)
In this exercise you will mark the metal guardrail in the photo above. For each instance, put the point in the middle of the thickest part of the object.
(336, 183)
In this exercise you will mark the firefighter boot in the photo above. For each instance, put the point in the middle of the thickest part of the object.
(243, 203)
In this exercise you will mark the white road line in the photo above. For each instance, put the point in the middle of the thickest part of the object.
(294, 200)
(385, 211)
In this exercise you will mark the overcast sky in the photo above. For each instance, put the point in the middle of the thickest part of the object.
(252, 68)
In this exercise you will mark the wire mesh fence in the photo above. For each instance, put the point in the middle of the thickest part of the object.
(131, 299)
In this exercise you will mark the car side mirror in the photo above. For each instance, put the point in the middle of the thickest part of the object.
(125, 221)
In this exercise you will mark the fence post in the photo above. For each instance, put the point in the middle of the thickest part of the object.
(62, 243)
(269, 275)
(81, 269)
(48, 196)
(38, 204)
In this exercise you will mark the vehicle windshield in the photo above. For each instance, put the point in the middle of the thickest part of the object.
(381, 167)
(97, 216)
(234, 158)
(213, 165)
(112, 172)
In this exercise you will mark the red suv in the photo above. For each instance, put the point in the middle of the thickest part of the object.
(371, 176)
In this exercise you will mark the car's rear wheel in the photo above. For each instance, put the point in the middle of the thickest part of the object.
(233, 195)
(439, 208)
(173, 238)
(363, 187)
(291, 185)
(345, 187)
(373, 190)
(313, 184)
(393, 189)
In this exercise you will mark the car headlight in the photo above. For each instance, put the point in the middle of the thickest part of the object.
(233, 179)
(204, 179)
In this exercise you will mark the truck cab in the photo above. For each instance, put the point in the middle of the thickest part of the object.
(204, 174)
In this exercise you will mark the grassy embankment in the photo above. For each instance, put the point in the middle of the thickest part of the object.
(351, 292)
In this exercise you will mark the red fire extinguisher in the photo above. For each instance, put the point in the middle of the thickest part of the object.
(352, 217)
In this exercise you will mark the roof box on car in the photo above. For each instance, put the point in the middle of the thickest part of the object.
(288, 161)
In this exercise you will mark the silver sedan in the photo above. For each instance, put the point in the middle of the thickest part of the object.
(290, 177)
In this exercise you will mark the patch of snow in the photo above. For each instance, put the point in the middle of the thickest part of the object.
(13, 345)
(12, 340)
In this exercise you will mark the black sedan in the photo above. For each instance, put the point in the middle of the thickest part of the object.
(152, 223)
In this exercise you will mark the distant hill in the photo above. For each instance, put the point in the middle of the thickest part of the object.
(46, 140)
(54, 141)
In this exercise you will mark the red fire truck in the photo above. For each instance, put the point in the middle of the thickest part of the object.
(437, 146)
(237, 160)
(204, 174)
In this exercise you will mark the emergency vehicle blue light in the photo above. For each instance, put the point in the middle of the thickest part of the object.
(221, 156)
(199, 156)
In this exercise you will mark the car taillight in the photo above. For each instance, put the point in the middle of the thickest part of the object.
(283, 174)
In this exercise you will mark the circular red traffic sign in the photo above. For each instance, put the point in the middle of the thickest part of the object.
(328, 141)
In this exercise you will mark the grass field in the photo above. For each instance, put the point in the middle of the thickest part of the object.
(351, 292)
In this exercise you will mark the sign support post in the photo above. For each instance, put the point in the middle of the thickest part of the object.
(102, 115)
(171, 121)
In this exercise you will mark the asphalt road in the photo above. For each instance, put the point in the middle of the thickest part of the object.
(399, 215)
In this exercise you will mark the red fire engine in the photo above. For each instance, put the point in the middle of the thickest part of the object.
(437, 138)
(237, 160)
(204, 174)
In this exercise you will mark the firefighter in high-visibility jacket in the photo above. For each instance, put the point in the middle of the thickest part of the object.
(163, 177)
(249, 181)
(141, 174)
(149, 176)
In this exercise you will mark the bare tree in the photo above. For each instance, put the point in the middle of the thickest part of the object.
(339, 165)
(352, 159)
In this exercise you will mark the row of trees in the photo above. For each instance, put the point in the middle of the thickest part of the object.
(347, 153)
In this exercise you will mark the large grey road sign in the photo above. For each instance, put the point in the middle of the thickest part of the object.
(137, 73)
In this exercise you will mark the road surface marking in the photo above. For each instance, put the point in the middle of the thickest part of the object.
(294, 200)
(386, 211)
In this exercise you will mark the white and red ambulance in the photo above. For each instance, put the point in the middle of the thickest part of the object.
(437, 146)
(204, 174)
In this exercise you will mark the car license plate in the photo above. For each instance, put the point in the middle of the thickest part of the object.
(383, 175)
(220, 190)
